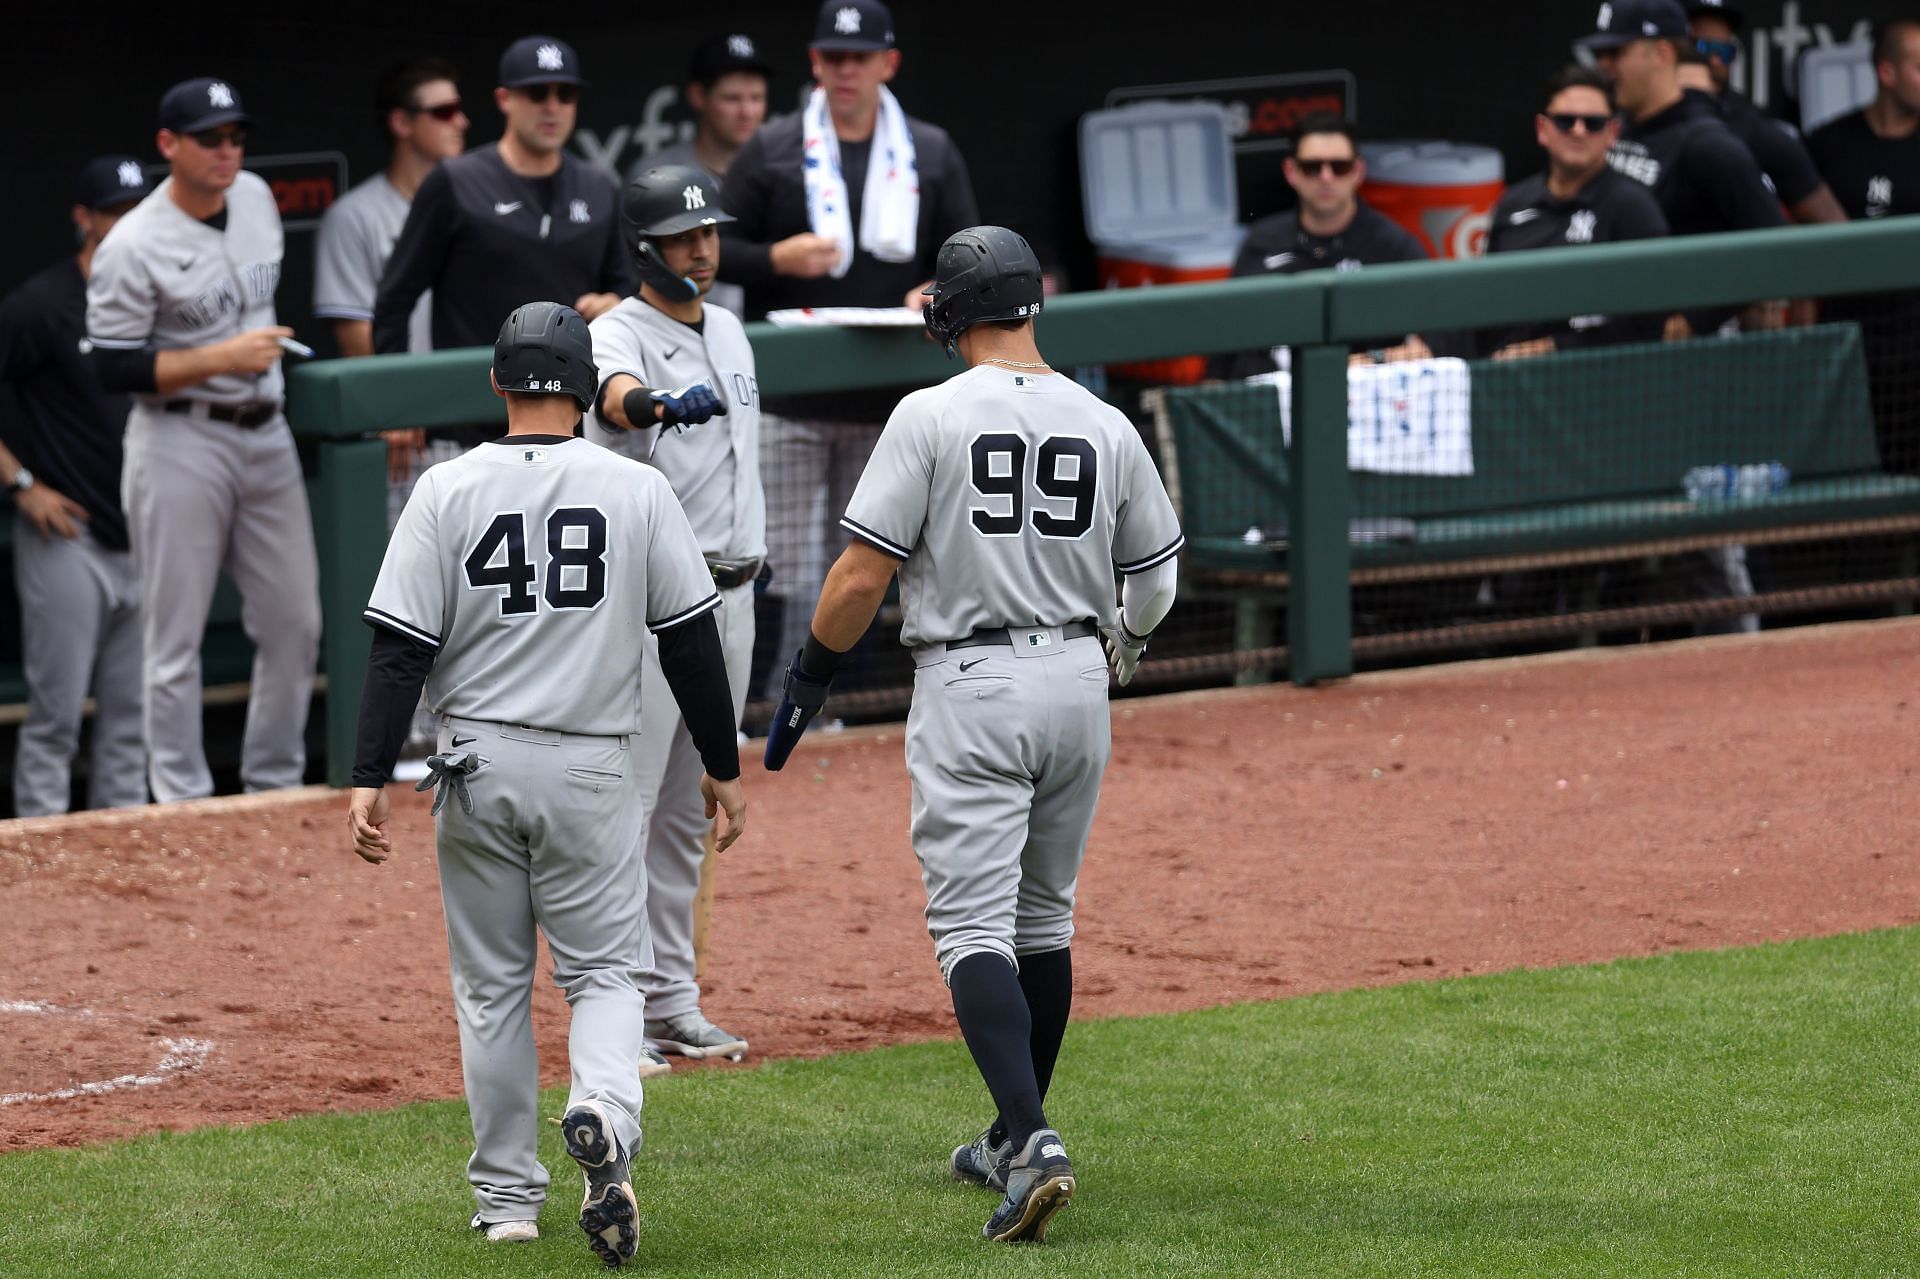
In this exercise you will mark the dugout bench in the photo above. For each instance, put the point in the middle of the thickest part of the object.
(1578, 459)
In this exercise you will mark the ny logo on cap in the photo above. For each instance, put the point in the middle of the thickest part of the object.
(550, 58)
(1605, 20)
(219, 95)
(695, 197)
(129, 172)
(847, 22)
(740, 46)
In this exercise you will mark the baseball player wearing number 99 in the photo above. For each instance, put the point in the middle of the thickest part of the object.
(1007, 498)
(515, 587)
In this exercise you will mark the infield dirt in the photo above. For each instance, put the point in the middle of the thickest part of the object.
(1251, 844)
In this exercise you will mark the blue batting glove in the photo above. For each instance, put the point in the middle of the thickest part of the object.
(689, 406)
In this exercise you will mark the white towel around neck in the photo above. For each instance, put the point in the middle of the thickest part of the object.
(890, 201)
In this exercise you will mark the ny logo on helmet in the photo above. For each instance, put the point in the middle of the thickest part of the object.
(129, 172)
(695, 197)
(219, 95)
(847, 22)
(550, 58)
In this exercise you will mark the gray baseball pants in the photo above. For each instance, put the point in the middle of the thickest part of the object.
(202, 496)
(80, 630)
(669, 773)
(810, 468)
(550, 850)
(1005, 758)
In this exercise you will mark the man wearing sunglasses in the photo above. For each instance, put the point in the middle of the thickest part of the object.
(420, 112)
(1332, 229)
(1578, 200)
(1775, 144)
(180, 313)
(515, 222)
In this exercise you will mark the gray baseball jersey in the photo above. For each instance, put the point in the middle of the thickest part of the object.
(1013, 498)
(164, 278)
(714, 467)
(356, 239)
(590, 545)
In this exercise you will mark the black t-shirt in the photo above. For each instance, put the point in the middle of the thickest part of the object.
(67, 429)
(766, 193)
(1279, 245)
(1607, 210)
(1703, 176)
(1775, 144)
(1871, 176)
(486, 240)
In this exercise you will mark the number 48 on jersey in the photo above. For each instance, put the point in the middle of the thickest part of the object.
(575, 564)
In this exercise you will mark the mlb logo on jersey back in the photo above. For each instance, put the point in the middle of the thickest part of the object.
(536, 456)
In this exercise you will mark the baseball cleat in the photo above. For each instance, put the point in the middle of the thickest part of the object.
(653, 1064)
(1039, 1184)
(692, 1035)
(609, 1214)
(508, 1231)
(981, 1163)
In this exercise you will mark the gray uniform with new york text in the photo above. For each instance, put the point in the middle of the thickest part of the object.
(714, 468)
(531, 568)
(1013, 499)
(202, 495)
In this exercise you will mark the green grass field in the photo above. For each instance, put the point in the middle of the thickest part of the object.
(1748, 1112)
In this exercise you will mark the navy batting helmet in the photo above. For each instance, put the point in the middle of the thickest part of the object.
(983, 273)
(666, 201)
(544, 349)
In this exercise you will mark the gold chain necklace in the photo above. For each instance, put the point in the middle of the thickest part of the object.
(1013, 364)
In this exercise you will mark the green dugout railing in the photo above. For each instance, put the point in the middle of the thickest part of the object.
(339, 405)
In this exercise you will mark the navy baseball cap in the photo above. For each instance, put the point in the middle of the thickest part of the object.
(1624, 21)
(1720, 9)
(110, 181)
(201, 103)
(857, 26)
(721, 55)
(539, 60)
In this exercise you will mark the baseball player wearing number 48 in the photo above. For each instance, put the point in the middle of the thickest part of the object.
(1007, 498)
(515, 587)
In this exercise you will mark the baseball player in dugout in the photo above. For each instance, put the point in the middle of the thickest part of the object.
(1332, 229)
(508, 223)
(79, 598)
(844, 204)
(726, 90)
(678, 391)
(513, 589)
(1775, 145)
(1578, 200)
(180, 313)
(1007, 498)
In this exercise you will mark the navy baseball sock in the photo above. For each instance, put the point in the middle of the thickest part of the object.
(1047, 981)
(993, 1016)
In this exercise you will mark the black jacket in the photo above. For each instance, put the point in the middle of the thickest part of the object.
(1703, 176)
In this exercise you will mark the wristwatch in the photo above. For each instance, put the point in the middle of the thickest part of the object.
(22, 480)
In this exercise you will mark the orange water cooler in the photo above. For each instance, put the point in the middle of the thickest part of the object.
(1443, 193)
(1161, 205)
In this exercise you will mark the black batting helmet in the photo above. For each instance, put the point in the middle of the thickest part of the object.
(666, 201)
(544, 349)
(983, 273)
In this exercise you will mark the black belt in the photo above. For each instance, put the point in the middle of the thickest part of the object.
(990, 635)
(244, 416)
(728, 574)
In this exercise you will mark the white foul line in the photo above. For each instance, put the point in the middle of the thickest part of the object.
(182, 1055)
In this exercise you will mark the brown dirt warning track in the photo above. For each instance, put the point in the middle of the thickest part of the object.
(232, 961)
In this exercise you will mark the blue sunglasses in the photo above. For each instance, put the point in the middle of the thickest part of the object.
(1727, 51)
